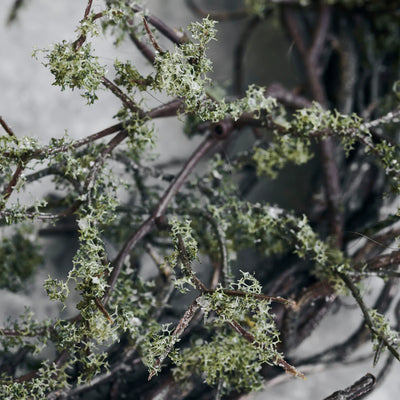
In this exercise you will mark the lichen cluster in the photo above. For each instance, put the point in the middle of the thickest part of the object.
(191, 227)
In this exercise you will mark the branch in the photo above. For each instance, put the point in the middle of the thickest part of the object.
(129, 103)
(259, 296)
(143, 48)
(176, 334)
(356, 391)
(251, 339)
(6, 127)
(149, 223)
(168, 32)
(79, 42)
(218, 16)
(151, 36)
(311, 63)
(357, 296)
(239, 52)
(11, 185)
(340, 352)
(187, 267)
(390, 117)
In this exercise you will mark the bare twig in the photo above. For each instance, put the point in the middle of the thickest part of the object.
(218, 16)
(6, 127)
(128, 102)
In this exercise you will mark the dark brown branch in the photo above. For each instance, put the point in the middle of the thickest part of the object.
(168, 32)
(357, 296)
(10, 187)
(6, 127)
(129, 103)
(259, 296)
(103, 310)
(188, 268)
(238, 56)
(79, 42)
(356, 391)
(169, 109)
(148, 224)
(251, 339)
(217, 15)
(379, 262)
(87, 11)
(143, 48)
(310, 57)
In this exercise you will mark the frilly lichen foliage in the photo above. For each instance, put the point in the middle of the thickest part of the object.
(73, 68)
(208, 219)
(20, 256)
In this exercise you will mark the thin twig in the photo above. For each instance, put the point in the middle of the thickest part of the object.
(277, 360)
(187, 267)
(79, 42)
(151, 36)
(149, 223)
(357, 296)
(390, 117)
(168, 32)
(239, 52)
(143, 48)
(6, 127)
(126, 100)
(356, 391)
(11, 185)
(176, 334)
(311, 62)
(217, 15)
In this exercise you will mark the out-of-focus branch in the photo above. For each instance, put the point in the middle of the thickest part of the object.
(356, 391)
(148, 224)
(217, 15)
(238, 56)
(311, 60)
